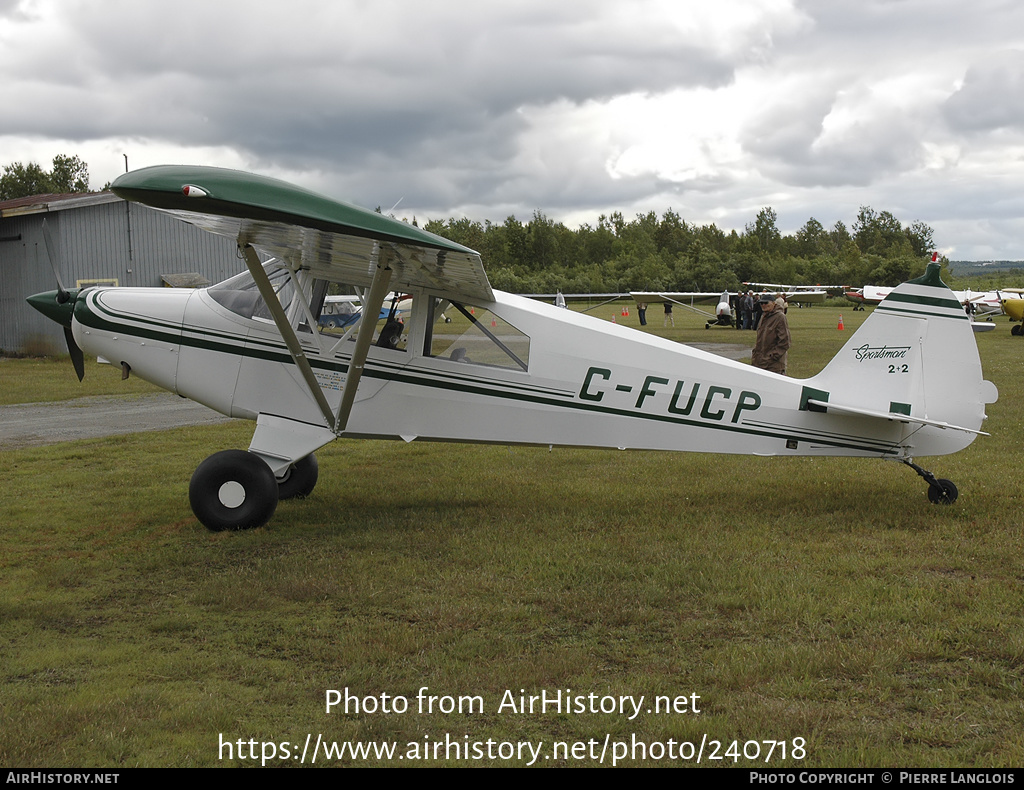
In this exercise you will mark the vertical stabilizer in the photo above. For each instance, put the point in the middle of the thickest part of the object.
(915, 355)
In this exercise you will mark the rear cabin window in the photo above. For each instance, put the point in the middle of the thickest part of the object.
(474, 336)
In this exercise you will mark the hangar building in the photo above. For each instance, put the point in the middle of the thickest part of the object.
(99, 240)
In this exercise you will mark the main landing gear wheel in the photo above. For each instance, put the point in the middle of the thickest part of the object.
(942, 492)
(299, 479)
(1017, 329)
(233, 489)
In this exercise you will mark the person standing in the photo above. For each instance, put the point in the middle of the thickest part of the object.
(748, 310)
(772, 337)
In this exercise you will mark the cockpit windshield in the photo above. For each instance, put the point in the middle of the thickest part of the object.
(240, 295)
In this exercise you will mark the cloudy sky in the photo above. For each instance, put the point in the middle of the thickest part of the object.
(714, 108)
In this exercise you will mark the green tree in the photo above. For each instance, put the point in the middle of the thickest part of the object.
(765, 231)
(673, 235)
(20, 180)
(812, 239)
(516, 243)
(877, 233)
(69, 174)
(920, 237)
(540, 241)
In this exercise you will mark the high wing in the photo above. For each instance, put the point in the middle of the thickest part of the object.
(677, 297)
(687, 299)
(334, 240)
(834, 290)
(690, 298)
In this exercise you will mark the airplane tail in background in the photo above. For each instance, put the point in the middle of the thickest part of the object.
(914, 360)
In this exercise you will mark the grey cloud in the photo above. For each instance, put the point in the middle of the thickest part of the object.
(792, 143)
(318, 85)
(989, 98)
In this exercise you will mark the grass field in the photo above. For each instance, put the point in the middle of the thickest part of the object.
(821, 609)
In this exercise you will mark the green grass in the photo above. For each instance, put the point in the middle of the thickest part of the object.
(822, 599)
(40, 380)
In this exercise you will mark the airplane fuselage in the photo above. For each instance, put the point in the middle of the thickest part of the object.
(586, 382)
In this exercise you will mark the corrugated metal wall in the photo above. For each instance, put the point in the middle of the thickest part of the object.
(93, 242)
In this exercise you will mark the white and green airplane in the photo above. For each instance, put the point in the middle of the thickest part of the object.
(908, 383)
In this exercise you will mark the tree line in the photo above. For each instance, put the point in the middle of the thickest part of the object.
(666, 253)
(68, 174)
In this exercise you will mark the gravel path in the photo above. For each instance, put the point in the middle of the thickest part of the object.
(34, 424)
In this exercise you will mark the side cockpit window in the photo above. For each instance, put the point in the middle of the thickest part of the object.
(328, 311)
(474, 336)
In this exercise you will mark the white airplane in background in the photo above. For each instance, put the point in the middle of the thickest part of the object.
(341, 311)
(829, 290)
(723, 315)
(908, 383)
(984, 303)
(975, 304)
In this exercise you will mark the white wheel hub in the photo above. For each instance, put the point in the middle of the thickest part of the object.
(231, 494)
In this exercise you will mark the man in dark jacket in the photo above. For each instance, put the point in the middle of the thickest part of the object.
(772, 337)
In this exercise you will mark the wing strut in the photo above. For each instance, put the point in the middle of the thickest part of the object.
(371, 309)
(266, 289)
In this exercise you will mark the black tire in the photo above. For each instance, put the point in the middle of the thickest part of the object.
(233, 489)
(1017, 330)
(943, 493)
(299, 479)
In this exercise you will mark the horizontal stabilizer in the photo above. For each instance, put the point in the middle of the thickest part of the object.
(829, 406)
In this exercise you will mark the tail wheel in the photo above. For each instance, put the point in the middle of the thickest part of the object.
(942, 492)
(233, 489)
(299, 479)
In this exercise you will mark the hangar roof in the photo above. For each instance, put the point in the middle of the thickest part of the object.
(40, 204)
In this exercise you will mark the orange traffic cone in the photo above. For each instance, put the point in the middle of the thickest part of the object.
(840, 327)
(613, 319)
(494, 323)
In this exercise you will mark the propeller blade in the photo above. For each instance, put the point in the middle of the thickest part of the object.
(62, 292)
(77, 357)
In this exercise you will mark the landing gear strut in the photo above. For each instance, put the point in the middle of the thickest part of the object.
(940, 491)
